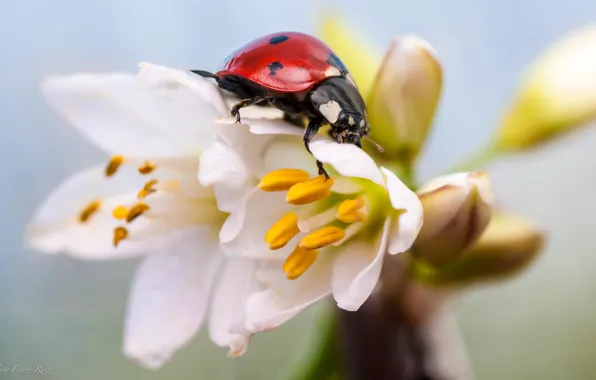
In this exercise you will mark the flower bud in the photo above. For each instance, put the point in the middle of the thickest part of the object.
(508, 245)
(457, 208)
(404, 97)
(557, 94)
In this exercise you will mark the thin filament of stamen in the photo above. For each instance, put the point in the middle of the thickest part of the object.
(319, 220)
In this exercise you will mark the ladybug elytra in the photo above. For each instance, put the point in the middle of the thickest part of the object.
(301, 76)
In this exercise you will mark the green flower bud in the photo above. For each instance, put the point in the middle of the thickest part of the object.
(508, 245)
(404, 97)
(457, 208)
(557, 94)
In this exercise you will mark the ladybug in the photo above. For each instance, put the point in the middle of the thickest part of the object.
(301, 76)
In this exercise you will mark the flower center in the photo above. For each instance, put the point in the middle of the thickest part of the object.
(329, 219)
(153, 200)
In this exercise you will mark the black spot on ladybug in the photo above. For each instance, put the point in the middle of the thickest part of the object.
(278, 39)
(274, 67)
(334, 61)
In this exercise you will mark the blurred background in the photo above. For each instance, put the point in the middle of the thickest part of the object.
(68, 316)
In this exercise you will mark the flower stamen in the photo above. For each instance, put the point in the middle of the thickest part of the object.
(120, 212)
(282, 179)
(136, 211)
(322, 238)
(147, 189)
(349, 211)
(114, 165)
(309, 191)
(146, 168)
(88, 211)
(120, 233)
(318, 220)
(298, 262)
(282, 231)
(352, 230)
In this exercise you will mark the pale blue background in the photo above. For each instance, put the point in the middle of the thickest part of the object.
(67, 315)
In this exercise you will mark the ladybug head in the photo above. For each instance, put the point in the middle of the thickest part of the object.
(350, 128)
(338, 101)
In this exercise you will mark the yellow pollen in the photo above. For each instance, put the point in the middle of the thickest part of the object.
(282, 179)
(120, 212)
(120, 233)
(349, 210)
(282, 231)
(88, 211)
(309, 191)
(113, 165)
(298, 262)
(322, 238)
(136, 211)
(170, 185)
(146, 168)
(147, 189)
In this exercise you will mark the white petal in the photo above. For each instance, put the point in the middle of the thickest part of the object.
(463, 180)
(347, 159)
(274, 127)
(454, 179)
(169, 298)
(155, 75)
(123, 116)
(284, 299)
(408, 224)
(236, 282)
(232, 225)
(356, 270)
(248, 146)
(285, 153)
(222, 167)
(265, 145)
(250, 224)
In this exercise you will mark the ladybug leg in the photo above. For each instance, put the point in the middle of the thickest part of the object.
(309, 134)
(247, 103)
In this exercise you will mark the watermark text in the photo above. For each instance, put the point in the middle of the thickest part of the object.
(25, 370)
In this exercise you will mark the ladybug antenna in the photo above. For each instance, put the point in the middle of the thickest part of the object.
(205, 74)
(379, 147)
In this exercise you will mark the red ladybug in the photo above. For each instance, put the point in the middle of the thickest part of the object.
(301, 76)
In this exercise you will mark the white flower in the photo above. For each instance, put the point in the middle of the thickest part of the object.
(316, 236)
(147, 201)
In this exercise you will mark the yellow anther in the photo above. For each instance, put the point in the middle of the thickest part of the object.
(146, 168)
(309, 191)
(349, 210)
(136, 211)
(282, 231)
(120, 212)
(120, 233)
(88, 211)
(298, 262)
(282, 179)
(113, 165)
(357, 216)
(147, 189)
(322, 238)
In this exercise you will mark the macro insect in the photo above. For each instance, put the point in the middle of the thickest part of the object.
(301, 76)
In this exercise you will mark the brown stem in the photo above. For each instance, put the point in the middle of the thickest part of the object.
(407, 333)
(380, 348)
